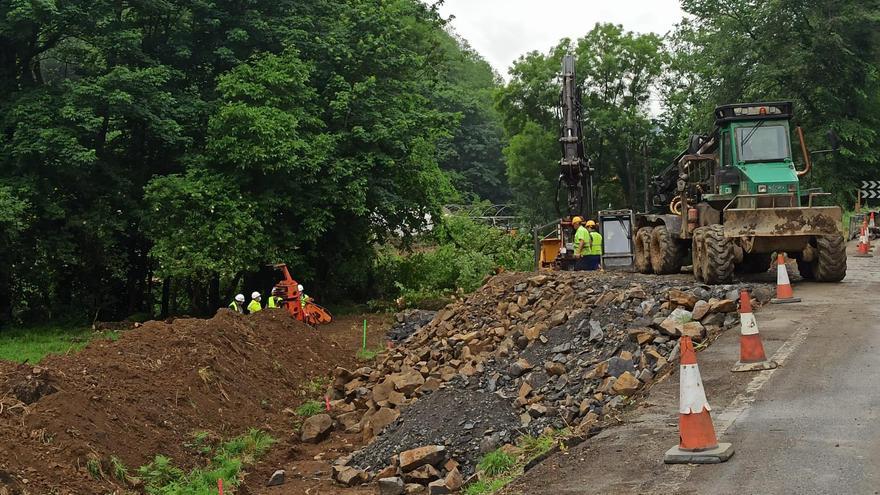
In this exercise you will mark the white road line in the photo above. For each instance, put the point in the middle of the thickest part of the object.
(741, 403)
(739, 406)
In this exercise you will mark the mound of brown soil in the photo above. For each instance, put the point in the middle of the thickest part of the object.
(148, 392)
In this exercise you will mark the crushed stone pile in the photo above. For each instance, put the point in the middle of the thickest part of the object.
(408, 322)
(148, 392)
(549, 350)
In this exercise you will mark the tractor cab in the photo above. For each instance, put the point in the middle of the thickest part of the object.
(755, 155)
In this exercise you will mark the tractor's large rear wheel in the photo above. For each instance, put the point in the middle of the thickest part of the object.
(666, 255)
(718, 259)
(805, 269)
(830, 263)
(643, 250)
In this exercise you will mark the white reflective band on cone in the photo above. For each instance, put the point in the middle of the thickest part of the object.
(692, 397)
(782, 275)
(749, 324)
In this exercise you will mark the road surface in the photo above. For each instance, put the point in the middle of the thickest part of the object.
(809, 427)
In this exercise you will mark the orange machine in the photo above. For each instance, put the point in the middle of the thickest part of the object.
(288, 290)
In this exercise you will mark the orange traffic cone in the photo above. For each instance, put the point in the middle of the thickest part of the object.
(697, 441)
(864, 248)
(751, 349)
(871, 224)
(784, 292)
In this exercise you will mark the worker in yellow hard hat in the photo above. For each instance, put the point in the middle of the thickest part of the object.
(581, 243)
(594, 255)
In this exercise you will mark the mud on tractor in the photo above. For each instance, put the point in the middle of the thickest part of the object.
(734, 197)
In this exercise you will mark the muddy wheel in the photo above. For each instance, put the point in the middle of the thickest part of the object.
(805, 269)
(643, 250)
(665, 253)
(754, 263)
(698, 252)
(718, 261)
(830, 264)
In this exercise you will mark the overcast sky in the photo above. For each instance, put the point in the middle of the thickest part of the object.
(502, 30)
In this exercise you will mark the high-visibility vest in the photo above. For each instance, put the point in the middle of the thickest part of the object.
(236, 307)
(595, 243)
(273, 302)
(581, 234)
(254, 306)
(303, 299)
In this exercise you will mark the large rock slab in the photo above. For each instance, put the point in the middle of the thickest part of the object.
(415, 458)
(626, 384)
(316, 428)
(391, 486)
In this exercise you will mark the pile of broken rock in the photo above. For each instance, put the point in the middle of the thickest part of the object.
(561, 350)
(412, 469)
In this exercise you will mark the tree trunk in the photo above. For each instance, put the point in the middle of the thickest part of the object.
(166, 296)
(214, 293)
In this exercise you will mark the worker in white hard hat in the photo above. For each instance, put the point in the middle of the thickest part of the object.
(303, 297)
(254, 305)
(274, 300)
(237, 304)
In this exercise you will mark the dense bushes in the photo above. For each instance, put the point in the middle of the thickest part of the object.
(454, 258)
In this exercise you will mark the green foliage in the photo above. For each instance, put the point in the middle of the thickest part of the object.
(159, 473)
(118, 469)
(486, 487)
(617, 70)
(455, 257)
(191, 143)
(202, 443)
(32, 344)
(93, 466)
(367, 355)
(309, 408)
(822, 54)
(161, 477)
(533, 447)
(316, 386)
(496, 462)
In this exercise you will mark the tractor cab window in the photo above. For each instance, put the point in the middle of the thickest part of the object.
(762, 143)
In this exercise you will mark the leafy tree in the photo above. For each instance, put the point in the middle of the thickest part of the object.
(617, 70)
(195, 141)
(472, 155)
(821, 54)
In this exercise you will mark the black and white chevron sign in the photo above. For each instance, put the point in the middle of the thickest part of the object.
(870, 189)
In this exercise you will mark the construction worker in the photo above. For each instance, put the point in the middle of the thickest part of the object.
(273, 301)
(581, 243)
(254, 305)
(303, 298)
(237, 304)
(594, 257)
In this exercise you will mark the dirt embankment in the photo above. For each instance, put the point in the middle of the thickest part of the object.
(148, 392)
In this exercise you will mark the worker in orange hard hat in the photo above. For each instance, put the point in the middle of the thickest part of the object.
(581, 243)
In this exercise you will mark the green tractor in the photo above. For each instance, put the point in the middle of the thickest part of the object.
(734, 197)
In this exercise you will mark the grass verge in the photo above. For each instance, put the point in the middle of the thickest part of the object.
(32, 344)
(500, 467)
(229, 459)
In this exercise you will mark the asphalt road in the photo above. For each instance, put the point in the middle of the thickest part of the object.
(809, 427)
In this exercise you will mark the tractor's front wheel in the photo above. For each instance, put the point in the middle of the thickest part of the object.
(718, 256)
(830, 263)
(643, 250)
